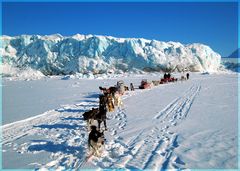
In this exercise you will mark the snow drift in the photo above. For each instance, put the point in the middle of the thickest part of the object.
(55, 54)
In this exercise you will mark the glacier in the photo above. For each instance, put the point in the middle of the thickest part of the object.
(63, 55)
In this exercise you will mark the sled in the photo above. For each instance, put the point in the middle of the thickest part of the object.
(145, 84)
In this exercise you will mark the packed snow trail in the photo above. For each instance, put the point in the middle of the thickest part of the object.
(63, 133)
(178, 109)
(153, 149)
(161, 139)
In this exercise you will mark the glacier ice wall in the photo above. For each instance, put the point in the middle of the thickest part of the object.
(56, 54)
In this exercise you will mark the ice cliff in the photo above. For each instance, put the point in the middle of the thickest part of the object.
(56, 54)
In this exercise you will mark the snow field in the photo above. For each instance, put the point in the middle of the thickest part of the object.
(155, 129)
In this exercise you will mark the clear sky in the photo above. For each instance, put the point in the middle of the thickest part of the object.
(210, 23)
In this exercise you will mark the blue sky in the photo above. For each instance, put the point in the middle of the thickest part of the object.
(210, 23)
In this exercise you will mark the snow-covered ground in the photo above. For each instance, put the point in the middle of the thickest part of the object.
(191, 124)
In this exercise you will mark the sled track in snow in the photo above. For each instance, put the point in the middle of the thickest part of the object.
(67, 135)
(16, 130)
(62, 132)
(121, 118)
(154, 149)
(151, 151)
(161, 139)
(179, 108)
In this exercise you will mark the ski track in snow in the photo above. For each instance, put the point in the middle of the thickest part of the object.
(63, 133)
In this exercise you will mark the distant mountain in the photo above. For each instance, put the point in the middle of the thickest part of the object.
(235, 54)
(56, 54)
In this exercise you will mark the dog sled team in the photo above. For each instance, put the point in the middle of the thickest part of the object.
(166, 79)
(109, 99)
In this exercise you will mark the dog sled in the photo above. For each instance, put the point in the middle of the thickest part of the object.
(145, 84)
(167, 80)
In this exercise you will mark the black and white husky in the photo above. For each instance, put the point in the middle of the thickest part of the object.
(96, 141)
